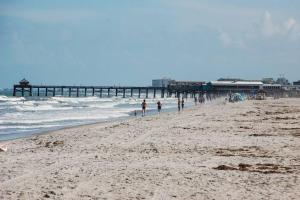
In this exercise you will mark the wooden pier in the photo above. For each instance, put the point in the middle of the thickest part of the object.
(26, 89)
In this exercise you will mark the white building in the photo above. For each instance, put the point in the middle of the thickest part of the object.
(236, 85)
(272, 86)
(164, 82)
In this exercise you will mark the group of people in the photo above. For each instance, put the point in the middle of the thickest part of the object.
(180, 103)
(144, 105)
(201, 99)
(159, 106)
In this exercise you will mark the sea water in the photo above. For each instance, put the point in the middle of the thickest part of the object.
(23, 116)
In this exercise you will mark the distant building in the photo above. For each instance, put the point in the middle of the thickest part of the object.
(164, 82)
(184, 86)
(235, 85)
(282, 81)
(186, 83)
(296, 83)
(230, 79)
(236, 79)
(271, 86)
(268, 80)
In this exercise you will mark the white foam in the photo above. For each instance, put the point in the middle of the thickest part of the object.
(46, 112)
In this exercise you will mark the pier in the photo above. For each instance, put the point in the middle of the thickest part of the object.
(175, 89)
(24, 88)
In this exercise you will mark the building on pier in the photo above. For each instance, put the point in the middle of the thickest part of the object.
(164, 82)
(235, 86)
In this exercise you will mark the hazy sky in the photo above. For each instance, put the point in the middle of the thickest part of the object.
(130, 42)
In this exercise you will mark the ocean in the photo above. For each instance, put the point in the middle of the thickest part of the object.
(24, 116)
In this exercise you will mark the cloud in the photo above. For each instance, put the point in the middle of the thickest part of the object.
(290, 29)
(237, 26)
(225, 39)
(290, 24)
(268, 29)
(229, 41)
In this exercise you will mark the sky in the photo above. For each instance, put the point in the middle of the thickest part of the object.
(117, 42)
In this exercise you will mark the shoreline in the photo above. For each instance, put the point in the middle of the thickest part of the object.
(109, 121)
(49, 130)
(244, 150)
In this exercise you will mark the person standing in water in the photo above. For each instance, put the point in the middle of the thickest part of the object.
(144, 104)
(182, 103)
(159, 104)
(178, 102)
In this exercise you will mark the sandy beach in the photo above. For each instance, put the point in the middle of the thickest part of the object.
(245, 150)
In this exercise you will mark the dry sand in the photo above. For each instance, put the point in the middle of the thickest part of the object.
(247, 150)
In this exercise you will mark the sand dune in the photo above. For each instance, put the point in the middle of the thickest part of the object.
(246, 150)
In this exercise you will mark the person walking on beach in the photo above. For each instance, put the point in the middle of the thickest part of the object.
(144, 104)
(182, 103)
(178, 102)
(159, 104)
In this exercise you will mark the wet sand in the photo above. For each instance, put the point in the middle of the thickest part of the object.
(246, 150)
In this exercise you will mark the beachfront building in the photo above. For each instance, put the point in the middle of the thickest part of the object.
(235, 86)
(296, 83)
(273, 89)
(291, 90)
(269, 87)
(236, 80)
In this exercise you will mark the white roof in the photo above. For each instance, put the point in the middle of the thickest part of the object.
(272, 85)
(235, 83)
